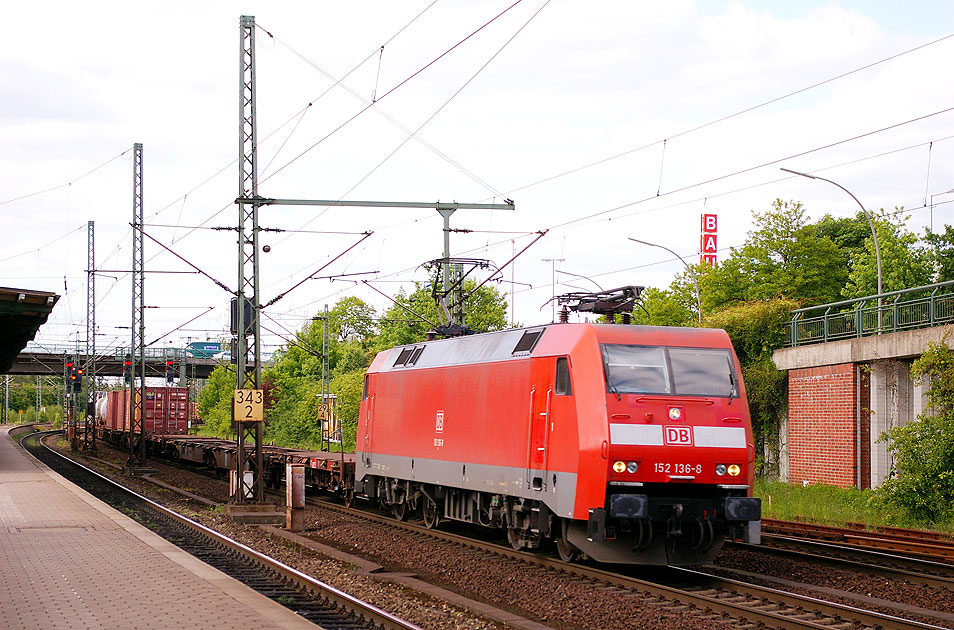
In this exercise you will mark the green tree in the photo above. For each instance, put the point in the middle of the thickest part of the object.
(756, 329)
(784, 257)
(411, 316)
(903, 264)
(215, 402)
(660, 307)
(923, 483)
(941, 253)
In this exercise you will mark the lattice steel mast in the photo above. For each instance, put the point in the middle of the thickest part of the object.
(137, 437)
(247, 332)
(89, 432)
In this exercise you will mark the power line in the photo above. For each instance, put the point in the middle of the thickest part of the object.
(730, 116)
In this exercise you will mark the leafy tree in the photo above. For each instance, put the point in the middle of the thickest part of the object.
(756, 329)
(215, 402)
(404, 322)
(662, 308)
(941, 253)
(903, 264)
(924, 448)
(785, 257)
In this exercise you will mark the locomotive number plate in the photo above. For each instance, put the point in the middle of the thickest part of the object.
(671, 468)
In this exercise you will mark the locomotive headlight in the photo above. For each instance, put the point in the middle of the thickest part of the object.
(619, 467)
(675, 413)
(734, 470)
(632, 467)
(720, 469)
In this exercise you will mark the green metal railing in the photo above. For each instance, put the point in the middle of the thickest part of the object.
(920, 307)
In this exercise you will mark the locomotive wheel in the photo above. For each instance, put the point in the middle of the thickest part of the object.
(432, 517)
(566, 551)
(514, 538)
(400, 511)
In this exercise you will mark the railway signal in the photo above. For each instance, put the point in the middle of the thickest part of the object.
(170, 371)
(127, 369)
(77, 380)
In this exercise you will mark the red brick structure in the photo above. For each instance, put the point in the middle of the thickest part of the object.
(824, 442)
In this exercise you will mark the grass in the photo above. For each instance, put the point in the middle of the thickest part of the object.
(830, 505)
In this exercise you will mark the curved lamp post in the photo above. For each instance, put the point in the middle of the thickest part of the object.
(695, 279)
(874, 233)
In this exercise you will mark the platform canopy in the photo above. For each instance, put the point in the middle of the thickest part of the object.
(22, 312)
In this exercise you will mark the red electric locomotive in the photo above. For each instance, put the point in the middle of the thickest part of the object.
(629, 444)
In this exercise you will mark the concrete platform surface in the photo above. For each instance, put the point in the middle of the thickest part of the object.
(68, 560)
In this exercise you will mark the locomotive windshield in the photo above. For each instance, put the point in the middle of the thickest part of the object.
(669, 370)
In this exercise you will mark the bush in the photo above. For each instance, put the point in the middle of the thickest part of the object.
(923, 480)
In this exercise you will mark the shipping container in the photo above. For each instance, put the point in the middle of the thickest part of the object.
(165, 410)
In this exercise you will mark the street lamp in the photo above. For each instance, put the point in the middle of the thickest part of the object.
(874, 233)
(692, 272)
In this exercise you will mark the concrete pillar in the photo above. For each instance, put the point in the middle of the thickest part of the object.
(783, 464)
(892, 405)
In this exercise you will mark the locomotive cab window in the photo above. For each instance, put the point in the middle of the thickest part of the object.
(673, 370)
(562, 385)
(367, 382)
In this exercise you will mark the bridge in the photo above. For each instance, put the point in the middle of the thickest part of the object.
(50, 362)
(849, 380)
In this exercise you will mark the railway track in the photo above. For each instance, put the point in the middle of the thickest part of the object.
(320, 603)
(932, 546)
(712, 596)
(724, 597)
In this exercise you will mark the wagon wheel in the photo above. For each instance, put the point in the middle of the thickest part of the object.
(514, 538)
(432, 517)
(400, 511)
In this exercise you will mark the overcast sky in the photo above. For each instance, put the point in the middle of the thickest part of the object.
(601, 120)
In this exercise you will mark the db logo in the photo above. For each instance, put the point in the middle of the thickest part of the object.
(439, 422)
(677, 436)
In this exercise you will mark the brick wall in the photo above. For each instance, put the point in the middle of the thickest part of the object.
(822, 425)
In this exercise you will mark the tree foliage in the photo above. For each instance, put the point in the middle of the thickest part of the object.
(756, 329)
(903, 264)
(784, 257)
(354, 335)
(215, 402)
(924, 448)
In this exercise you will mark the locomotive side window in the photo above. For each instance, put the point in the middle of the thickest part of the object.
(677, 371)
(364, 394)
(562, 385)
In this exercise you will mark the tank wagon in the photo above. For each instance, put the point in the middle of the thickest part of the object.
(626, 444)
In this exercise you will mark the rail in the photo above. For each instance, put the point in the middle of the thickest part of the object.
(920, 307)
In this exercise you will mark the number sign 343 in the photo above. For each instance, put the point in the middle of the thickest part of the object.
(248, 405)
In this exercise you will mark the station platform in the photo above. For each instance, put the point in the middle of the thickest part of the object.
(68, 560)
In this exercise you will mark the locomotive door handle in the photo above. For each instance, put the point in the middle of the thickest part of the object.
(546, 438)
(533, 391)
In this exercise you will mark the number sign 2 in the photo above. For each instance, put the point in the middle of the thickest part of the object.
(248, 405)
